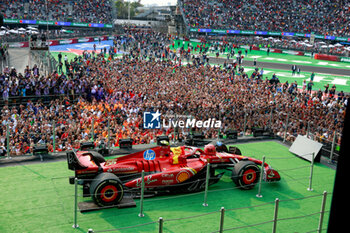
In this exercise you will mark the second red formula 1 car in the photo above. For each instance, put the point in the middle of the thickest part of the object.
(167, 169)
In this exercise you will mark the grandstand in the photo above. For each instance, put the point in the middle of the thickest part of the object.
(320, 17)
(71, 74)
(89, 11)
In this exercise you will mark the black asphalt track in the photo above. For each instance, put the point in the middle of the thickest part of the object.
(282, 66)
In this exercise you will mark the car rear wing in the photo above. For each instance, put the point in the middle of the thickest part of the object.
(73, 161)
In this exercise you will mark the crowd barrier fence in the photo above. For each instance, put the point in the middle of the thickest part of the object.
(205, 192)
(279, 124)
(146, 204)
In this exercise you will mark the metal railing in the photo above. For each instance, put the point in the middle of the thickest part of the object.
(52, 35)
(275, 218)
(277, 125)
(46, 61)
(4, 58)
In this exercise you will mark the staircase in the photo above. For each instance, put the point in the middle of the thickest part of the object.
(19, 58)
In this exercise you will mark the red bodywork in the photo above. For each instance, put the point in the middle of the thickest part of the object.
(162, 165)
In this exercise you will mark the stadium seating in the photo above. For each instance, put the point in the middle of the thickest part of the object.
(318, 16)
(89, 11)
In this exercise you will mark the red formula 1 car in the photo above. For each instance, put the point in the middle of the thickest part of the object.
(167, 169)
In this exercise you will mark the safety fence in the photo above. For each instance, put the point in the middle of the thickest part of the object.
(262, 186)
(4, 57)
(52, 35)
(46, 62)
(68, 201)
(278, 124)
(42, 99)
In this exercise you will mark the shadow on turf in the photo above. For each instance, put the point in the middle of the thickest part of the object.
(227, 195)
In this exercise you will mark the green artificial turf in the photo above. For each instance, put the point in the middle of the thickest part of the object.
(320, 80)
(283, 58)
(38, 198)
(342, 82)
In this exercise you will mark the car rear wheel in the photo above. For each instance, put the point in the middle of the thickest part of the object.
(245, 174)
(106, 189)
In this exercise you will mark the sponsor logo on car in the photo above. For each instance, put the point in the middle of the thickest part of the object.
(149, 155)
(167, 181)
(182, 176)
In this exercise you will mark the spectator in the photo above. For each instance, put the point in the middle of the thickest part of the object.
(267, 16)
(309, 86)
(87, 11)
(119, 91)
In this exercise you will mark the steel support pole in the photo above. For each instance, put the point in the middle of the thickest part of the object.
(323, 206)
(261, 176)
(333, 146)
(219, 129)
(54, 136)
(207, 177)
(244, 123)
(222, 216)
(311, 171)
(142, 193)
(109, 134)
(274, 228)
(161, 221)
(8, 140)
(285, 131)
(92, 129)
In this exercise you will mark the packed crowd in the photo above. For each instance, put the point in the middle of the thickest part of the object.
(116, 92)
(89, 11)
(324, 17)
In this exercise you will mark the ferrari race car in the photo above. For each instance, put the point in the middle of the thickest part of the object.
(166, 170)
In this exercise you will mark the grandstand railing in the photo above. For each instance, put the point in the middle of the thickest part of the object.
(4, 57)
(180, 4)
(46, 61)
(15, 101)
(278, 123)
(52, 35)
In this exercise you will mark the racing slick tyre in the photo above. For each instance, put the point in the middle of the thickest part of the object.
(106, 189)
(234, 150)
(245, 174)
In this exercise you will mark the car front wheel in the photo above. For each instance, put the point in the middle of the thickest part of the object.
(245, 174)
